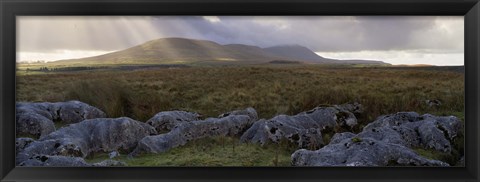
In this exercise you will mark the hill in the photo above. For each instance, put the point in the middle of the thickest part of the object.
(185, 51)
(297, 52)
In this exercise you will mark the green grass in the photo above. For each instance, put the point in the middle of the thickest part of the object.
(218, 151)
(59, 125)
(27, 135)
(437, 155)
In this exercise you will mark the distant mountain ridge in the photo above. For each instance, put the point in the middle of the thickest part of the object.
(183, 50)
(296, 52)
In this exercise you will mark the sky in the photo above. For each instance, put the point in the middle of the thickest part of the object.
(435, 40)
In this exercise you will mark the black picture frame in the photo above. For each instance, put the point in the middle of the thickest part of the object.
(9, 9)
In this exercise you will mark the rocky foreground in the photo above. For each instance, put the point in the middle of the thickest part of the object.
(387, 141)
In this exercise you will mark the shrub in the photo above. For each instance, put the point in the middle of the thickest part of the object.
(111, 96)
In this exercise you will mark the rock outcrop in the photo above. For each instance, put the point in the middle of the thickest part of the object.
(361, 152)
(93, 135)
(21, 143)
(37, 119)
(165, 121)
(414, 130)
(232, 124)
(304, 129)
(433, 103)
(387, 141)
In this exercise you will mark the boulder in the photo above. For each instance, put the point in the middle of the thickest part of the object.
(165, 121)
(230, 125)
(362, 152)
(304, 129)
(338, 137)
(250, 112)
(394, 120)
(386, 141)
(64, 161)
(396, 135)
(37, 119)
(34, 125)
(89, 136)
(433, 103)
(113, 154)
(37, 148)
(412, 130)
(21, 143)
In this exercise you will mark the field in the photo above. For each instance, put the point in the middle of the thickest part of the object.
(270, 89)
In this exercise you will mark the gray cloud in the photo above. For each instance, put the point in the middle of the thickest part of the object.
(322, 34)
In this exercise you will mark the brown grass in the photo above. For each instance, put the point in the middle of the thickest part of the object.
(271, 90)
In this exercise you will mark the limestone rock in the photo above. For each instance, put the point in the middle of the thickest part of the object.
(386, 141)
(304, 129)
(93, 135)
(362, 152)
(412, 130)
(21, 143)
(230, 125)
(165, 121)
(33, 125)
(250, 112)
(338, 137)
(433, 103)
(38, 119)
(394, 120)
(113, 154)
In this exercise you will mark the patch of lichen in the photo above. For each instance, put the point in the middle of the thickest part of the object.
(356, 140)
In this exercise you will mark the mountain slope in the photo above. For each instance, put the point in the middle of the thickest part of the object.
(296, 52)
(182, 50)
(171, 50)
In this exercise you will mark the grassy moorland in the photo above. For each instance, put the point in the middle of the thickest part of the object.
(270, 89)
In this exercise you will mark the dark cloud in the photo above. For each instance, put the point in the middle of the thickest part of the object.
(321, 34)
